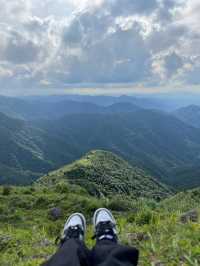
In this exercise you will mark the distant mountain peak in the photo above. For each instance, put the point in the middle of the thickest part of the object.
(189, 114)
(190, 107)
(123, 107)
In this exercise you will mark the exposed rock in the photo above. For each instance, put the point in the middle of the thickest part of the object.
(44, 243)
(190, 216)
(132, 237)
(158, 264)
(55, 213)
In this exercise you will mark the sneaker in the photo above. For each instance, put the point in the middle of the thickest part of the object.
(104, 225)
(75, 227)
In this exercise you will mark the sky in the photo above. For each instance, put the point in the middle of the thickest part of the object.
(99, 46)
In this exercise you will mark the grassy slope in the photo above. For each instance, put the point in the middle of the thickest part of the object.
(27, 233)
(104, 173)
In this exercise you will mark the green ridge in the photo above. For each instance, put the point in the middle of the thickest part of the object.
(103, 173)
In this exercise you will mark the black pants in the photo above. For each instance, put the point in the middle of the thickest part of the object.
(105, 253)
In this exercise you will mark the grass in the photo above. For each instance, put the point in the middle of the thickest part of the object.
(27, 233)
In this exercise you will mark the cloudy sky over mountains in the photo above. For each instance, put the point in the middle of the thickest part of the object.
(56, 45)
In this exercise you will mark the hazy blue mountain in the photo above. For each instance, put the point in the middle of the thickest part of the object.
(160, 101)
(189, 114)
(39, 109)
(43, 108)
(140, 101)
(54, 107)
(121, 107)
(15, 107)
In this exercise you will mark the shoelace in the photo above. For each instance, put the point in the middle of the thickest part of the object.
(71, 232)
(105, 228)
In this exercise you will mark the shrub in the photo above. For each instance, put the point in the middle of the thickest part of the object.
(119, 204)
(152, 204)
(89, 205)
(53, 229)
(1, 210)
(6, 190)
(78, 190)
(143, 217)
(28, 191)
(41, 202)
(62, 188)
(15, 217)
(131, 218)
(4, 242)
(44, 190)
(18, 202)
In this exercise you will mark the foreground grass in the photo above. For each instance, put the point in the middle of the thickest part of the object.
(27, 231)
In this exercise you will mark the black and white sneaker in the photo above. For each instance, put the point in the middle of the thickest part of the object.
(104, 225)
(75, 227)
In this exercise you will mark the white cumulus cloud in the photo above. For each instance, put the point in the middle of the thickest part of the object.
(61, 43)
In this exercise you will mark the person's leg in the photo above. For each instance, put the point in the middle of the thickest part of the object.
(72, 250)
(107, 251)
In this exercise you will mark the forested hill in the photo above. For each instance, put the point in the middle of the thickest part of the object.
(103, 173)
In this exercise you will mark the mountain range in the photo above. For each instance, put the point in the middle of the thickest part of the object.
(45, 109)
(155, 141)
(39, 136)
(66, 155)
(54, 107)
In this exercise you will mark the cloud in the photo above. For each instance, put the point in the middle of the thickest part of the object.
(103, 42)
(5, 73)
(20, 50)
(167, 66)
(130, 7)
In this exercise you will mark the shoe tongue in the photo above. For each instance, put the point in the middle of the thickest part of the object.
(74, 232)
(105, 230)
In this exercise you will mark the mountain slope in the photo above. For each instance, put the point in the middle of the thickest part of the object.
(28, 229)
(159, 143)
(155, 141)
(190, 176)
(189, 115)
(102, 173)
(20, 156)
(183, 201)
